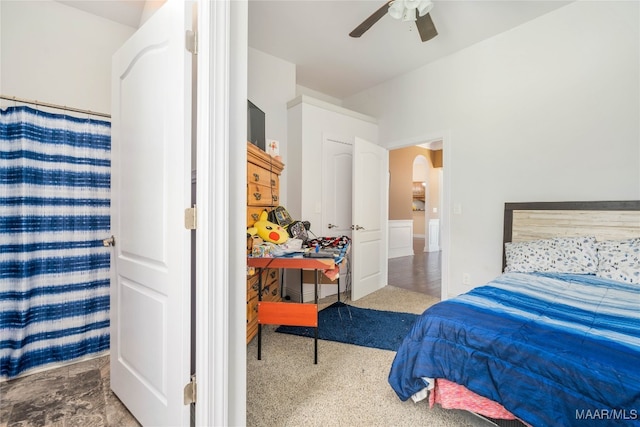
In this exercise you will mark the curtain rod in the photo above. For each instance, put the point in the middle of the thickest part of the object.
(59, 107)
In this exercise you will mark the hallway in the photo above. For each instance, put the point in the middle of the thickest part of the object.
(418, 273)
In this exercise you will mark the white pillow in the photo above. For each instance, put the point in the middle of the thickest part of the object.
(619, 260)
(577, 255)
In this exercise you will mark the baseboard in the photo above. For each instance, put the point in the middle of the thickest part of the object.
(308, 294)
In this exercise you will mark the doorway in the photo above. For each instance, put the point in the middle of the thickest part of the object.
(416, 196)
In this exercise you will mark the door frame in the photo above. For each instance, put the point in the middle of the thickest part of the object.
(221, 174)
(220, 347)
(445, 194)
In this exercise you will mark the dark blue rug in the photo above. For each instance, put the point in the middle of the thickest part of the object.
(359, 326)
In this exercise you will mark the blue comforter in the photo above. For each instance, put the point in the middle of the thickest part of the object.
(554, 350)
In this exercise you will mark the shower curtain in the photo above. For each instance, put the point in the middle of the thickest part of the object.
(54, 213)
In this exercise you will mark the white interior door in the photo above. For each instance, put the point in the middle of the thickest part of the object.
(337, 164)
(151, 179)
(370, 202)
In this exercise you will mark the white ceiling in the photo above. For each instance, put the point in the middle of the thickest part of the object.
(127, 12)
(314, 35)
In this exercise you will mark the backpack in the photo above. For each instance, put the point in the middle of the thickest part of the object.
(280, 216)
(296, 229)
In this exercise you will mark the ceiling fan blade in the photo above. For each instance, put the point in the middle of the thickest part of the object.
(368, 23)
(426, 28)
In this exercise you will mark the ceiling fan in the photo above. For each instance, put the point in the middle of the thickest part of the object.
(407, 10)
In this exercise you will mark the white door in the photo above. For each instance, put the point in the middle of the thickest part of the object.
(151, 167)
(337, 164)
(370, 217)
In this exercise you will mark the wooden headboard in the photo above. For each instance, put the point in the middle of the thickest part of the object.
(614, 220)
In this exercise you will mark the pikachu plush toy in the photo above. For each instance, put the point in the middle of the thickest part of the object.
(268, 231)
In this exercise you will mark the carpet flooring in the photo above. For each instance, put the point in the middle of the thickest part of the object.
(348, 386)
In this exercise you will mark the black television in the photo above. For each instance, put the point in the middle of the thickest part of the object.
(255, 125)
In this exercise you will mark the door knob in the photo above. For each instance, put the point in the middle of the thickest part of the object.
(357, 227)
(331, 226)
(111, 241)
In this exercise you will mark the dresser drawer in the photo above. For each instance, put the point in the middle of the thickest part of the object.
(270, 283)
(253, 214)
(252, 318)
(261, 195)
(252, 287)
(271, 292)
(263, 190)
(258, 175)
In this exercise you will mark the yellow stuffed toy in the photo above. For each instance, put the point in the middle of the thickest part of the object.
(268, 231)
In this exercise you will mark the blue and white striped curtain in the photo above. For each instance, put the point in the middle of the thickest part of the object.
(54, 213)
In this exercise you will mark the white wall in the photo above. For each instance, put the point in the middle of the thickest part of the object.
(400, 238)
(310, 120)
(54, 53)
(547, 111)
(302, 90)
(271, 83)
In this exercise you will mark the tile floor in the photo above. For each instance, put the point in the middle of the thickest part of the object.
(74, 395)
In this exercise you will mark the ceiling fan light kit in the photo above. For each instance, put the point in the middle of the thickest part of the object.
(406, 10)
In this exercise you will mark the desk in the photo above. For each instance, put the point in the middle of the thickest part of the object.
(292, 314)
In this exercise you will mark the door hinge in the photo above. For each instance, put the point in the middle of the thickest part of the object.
(191, 41)
(190, 391)
(190, 215)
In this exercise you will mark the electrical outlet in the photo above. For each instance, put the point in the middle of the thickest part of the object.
(466, 279)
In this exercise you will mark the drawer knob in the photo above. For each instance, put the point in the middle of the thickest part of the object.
(273, 182)
(255, 216)
(257, 196)
(256, 177)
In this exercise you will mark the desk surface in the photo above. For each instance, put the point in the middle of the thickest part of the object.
(292, 262)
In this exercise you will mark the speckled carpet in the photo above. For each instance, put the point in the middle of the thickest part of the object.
(348, 386)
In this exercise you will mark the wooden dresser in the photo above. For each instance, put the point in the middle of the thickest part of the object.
(263, 192)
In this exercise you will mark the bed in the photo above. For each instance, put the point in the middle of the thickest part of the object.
(555, 339)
